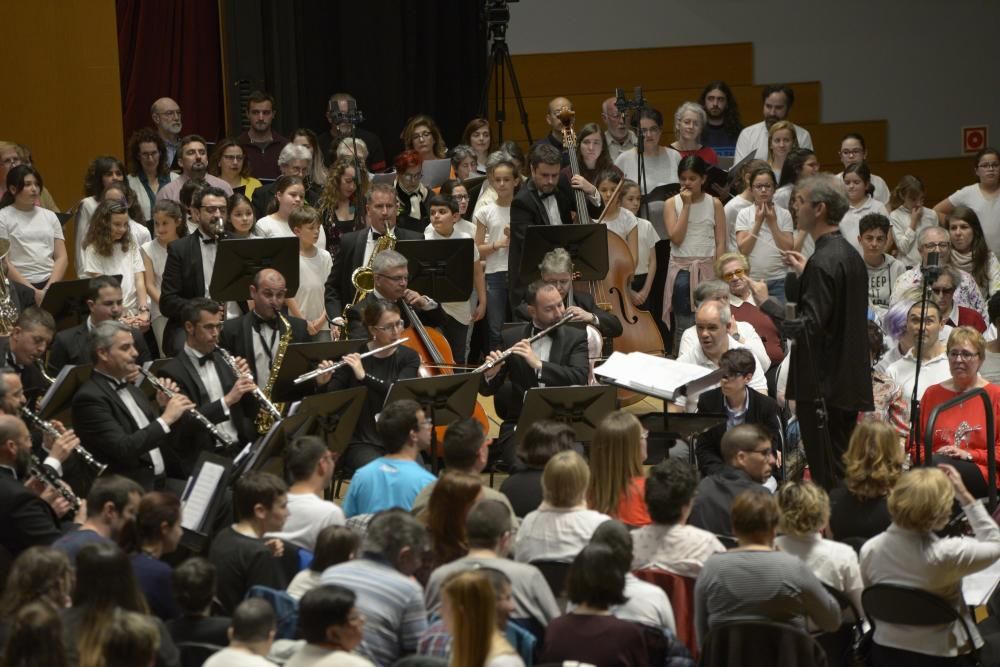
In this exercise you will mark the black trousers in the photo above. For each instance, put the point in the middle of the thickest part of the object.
(825, 444)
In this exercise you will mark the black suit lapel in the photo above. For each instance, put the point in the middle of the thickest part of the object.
(117, 403)
(558, 343)
(187, 365)
(199, 271)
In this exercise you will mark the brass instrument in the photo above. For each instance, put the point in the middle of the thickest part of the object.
(8, 311)
(47, 428)
(266, 417)
(363, 277)
(320, 371)
(50, 478)
(265, 403)
(509, 351)
(45, 376)
(223, 439)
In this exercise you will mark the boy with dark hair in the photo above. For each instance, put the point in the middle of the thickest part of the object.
(331, 626)
(250, 637)
(309, 469)
(883, 269)
(239, 552)
(194, 589)
(314, 268)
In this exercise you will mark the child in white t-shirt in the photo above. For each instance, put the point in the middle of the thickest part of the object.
(314, 267)
(37, 256)
(109, 249)
(645, 260)
(883, 269)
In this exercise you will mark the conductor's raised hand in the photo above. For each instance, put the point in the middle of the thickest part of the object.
(794, 260)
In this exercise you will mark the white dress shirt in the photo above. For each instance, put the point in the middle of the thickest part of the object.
(141, 422)
(209, 376)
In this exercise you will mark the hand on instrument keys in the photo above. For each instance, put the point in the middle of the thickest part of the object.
(494, 356)
(325, 377)
(581, 315)
(162, 398)
(175, 408)
(522, 348)
(60, 448)
(241, 388)
(242, 366)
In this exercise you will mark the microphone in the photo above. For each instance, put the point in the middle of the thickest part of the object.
(932, 267)
(620, 103)
(639, 101)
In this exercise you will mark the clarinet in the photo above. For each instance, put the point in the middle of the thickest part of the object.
(202, 419)
(50, 478)
(47, 428)
(258, 393)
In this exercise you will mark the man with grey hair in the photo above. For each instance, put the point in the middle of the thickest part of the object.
(382, 578)
(391, 275)
(166, 116)
(293, 160)
(936, 239)
(617, 135)
(828, 378)
(193, 161)
(260, 142)
(113, 418)
(740, 333)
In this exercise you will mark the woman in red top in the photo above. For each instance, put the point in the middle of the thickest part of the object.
(960, 436)
(617, 479)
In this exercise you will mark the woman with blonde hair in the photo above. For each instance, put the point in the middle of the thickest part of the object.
(910, 554)
(617, 481)
(781, 140)
(468, 606)
(805, 511)
(342, 203)
(873, 462)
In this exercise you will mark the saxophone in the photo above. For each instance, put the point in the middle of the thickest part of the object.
(363, 277)
(8, 311)
(265, 418)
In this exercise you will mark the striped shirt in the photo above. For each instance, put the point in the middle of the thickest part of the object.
(393, 605)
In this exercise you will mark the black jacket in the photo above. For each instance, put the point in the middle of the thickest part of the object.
(237, 338)
(71, 347)
(609, 325)
(526, 211)
(761, 410)
(25, 519)
(183, 279)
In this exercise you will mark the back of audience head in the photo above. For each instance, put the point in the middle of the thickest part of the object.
(616, 536)
(805, 508)
(468, 605)
(543, 440)
(616, 456)
(113, 500)
(596, 578)
(395, 424)
(670, 489)
(334, 545)
(465, 446)
(922, 500)
(744, 447)
(104, 579)
(35, 637)
(327, 615)
(302, 457)
(873, 461)
(398, 538)
(828, 190)
(39, 573)
(876, 342)
(488, 525)
(130, 640)
(262, 498)
(755, 516)
(453, 495)
(194, 585)
(253, 625)
(157, 523)
(711, 290)
(565, 480)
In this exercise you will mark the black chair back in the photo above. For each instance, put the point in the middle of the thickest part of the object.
(555, 574)
(839, 644)
(194, 654)
(760, 644)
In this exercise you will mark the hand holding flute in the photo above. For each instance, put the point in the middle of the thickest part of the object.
(326, 368)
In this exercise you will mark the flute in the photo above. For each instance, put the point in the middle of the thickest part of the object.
(262, 398)
(305, 377)
(50, 478)
(47, 428)
(509, 351)
(200, 418)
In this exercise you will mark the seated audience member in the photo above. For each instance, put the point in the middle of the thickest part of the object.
(753, 139)
(35, 637)
(391, 601)
(805, 511)
(562, 524)
(952, 314)
(131, 639)
(241, 555)
(734, 399)
(393, 480)
(756, 582)
(872, 464)
(454, 495)
(734, 269)
(194, 590)
(589, 634)
(857, 184)
(749, 454)
(309, 465)
(970, 252)
(105, 584)
(909, 218)
(910, 554)
(489, 534)
(466, 449)
(883, 269)
(617, 479)
(469, 611)
(669, 543)
(250, 637)
(543, 440)
(111, 503)
(39, 575)
(854, 151)
(936, 239)
(153, 533)
(990, 369)
(742, 334)
(332, 628)
(334, 544)
(645, 603)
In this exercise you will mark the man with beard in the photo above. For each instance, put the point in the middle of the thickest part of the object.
(778, 102)
(617, 135)
(260, 143)
(193, 161)
(723, 127)
(166, 115)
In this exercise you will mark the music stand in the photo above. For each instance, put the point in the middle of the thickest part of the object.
(388, 178)
(441, 269)
(238, 260)
(582, 408)
(270, 445)
(66, 300)
(205, 488)
(57, 403)
(687, 426)
(586, 244)
(444, 399)
(333, 416)
(303, 357)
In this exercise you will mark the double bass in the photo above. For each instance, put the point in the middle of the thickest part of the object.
(639, 330)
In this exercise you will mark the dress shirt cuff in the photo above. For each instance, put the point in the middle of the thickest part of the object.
(225, 408)
(163, 424)
(431, 303)
(53, 463)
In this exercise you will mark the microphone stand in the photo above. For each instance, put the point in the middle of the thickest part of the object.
(929, 272)
(624, 105)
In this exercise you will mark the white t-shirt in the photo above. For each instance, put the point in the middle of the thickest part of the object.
(157, 255)
(850, 224)
(495, 218)
(881, 193)
(932, 371)
(230, 657)
(622, 224)
(460, 311)
(783, 196)
(988, 211)
(126, 262)
(908, 249)
(647, 241)
(765, 259)
(32, 236)
(991, 367)
(270, 227)
(748, 338)
(753, 139)
(661, 169)
(700, 238)
(140, 233)
(308, 514)
(313, 272)
(732, 209)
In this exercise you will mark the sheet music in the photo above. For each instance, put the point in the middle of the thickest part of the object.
(198, 494)
(656, 376)
(50, 392)
(979, 586)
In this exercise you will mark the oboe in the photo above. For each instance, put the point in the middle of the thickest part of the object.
(319, 371)
(200, 418)
(48, 429)
(509, 351)
(258, 394)
(50, 478)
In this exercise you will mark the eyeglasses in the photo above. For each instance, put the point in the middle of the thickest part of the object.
(990, 166)
(736, 273)
(940, 245)
(964, 355)
(763, 451)
(422, 135)
(733, 376)
(396, 279)
(412, 178)
(460, 197)
(943, 290)
(213, 209)
(398, 325)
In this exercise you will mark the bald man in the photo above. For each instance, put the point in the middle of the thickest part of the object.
(554, 137)
(166, 115)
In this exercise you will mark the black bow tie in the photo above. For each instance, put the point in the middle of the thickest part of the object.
(544, 195)
(206, 358)
(116, 384)
(208, 240)
(258, 321)
(376, 235)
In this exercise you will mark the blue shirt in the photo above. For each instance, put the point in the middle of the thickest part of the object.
(385, 483)
(71, 543)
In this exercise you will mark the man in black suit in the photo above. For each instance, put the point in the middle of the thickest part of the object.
(547, 199)
(190, 261)
(24, 350)
(391, 275)
(741, 405)
(204, 377)
(556, 360)
(113, 418)
(104, 300)
(356, 249)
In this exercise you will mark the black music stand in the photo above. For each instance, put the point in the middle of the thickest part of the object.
(687, 426)
(303, 357)
(661, 193)
(66, 300)
(582, 408)
(268, 447)
(238, 260)
(441, 268)
(332, 416)
(57, 403)
(203, 494)
(586, 244)
(444, 399)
